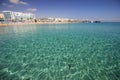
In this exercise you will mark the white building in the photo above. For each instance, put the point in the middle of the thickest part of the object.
(17, 16)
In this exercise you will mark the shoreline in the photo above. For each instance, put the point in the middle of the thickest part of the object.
(29, 23)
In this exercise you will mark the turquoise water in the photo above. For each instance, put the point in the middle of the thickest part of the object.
(78, 51)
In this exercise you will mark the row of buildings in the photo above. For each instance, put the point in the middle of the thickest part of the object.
(11, 16)
(16, 16)
(21, 17)
(56, 20)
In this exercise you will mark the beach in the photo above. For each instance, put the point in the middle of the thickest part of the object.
(20, 23)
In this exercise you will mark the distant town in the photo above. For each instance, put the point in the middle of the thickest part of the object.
(11, 17)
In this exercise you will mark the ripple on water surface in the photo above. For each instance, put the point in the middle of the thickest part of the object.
(60, 52)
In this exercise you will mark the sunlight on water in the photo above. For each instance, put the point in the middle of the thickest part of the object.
(78, 51)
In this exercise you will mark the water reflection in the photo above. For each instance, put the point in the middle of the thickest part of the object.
(4, 30)
(23, 29)
(32, 28)
(18, 29)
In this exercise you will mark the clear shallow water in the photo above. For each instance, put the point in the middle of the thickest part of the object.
(80, 51)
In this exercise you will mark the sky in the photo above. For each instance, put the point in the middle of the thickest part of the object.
(104, 10)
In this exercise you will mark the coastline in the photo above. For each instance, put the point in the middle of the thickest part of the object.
(29, 23)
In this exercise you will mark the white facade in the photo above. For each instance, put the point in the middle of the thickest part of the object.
(17, 16)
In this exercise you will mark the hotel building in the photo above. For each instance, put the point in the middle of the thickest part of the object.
(17, 16)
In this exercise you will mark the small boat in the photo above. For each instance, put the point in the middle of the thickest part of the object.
(96, 21)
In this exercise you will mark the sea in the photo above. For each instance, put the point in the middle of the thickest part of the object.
(71, 51)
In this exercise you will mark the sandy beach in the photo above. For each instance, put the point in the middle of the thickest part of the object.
(20, 24)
